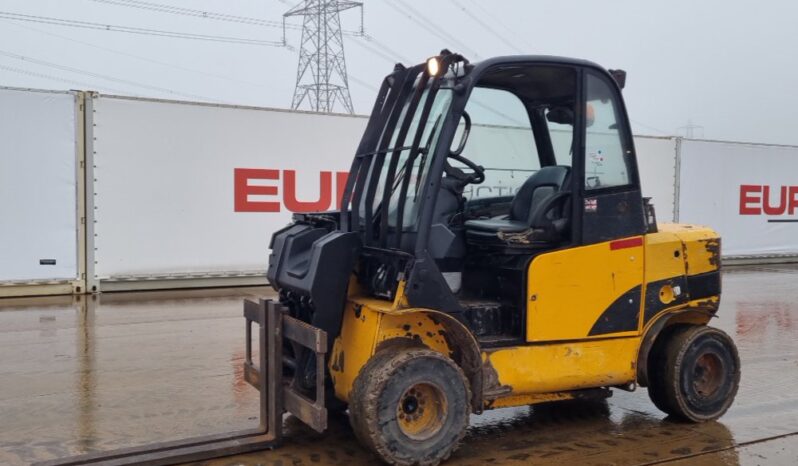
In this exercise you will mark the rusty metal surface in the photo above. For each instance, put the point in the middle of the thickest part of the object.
(76, 378)
(311, 412)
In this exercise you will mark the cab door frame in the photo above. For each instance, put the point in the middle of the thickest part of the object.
(613, 212)
(605, 262)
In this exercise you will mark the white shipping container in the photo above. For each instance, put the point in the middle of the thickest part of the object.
(747, 192)
(39, 144)
(656, 162)
(180, 193)
(185, 190)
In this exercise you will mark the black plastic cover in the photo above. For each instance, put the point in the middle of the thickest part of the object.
(315, 263)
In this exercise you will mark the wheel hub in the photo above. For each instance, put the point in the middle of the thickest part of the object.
(421, 411)
(410, 405)
(707, 375)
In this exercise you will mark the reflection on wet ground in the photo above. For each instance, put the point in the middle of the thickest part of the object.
(88, 374)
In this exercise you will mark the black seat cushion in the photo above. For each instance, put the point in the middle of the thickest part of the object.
(546, 182)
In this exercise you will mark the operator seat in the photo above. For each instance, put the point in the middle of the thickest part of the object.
(536, 190)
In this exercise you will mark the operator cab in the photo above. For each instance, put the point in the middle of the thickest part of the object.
(464, 175)
(468, 172)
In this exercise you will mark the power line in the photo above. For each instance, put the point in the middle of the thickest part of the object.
(136, 30)
(210, 15)
(139, 57)
(389, 58)
(13, 17)
(170, 9)
(485, 25)
(162, 8)
(431, 26)
(371, 39)
(101, 76)
(418, 18)
(650, 127)
(363, 83)
(54, 78)
(354, 79)
(499, 22)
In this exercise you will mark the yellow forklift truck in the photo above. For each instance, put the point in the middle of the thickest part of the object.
(493, 250)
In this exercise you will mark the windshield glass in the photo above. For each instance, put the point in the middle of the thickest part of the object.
(501, 141)
(411, 163)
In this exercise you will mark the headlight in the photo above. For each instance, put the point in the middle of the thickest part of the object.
(433, 66)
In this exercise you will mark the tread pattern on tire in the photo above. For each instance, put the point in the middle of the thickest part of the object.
(357, 395)
(656, 368)
(677, 345)
(367, 388)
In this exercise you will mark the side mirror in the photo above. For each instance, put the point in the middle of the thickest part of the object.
(464, 136)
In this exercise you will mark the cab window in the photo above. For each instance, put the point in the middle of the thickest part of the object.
(501, 140)
(606, 154)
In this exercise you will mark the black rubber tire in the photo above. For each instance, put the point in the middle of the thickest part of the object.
(378, 391)
(656, 367)
(688, 352)
(357, 395)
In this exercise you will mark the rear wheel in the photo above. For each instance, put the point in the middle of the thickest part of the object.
(699, 376)
(410, 407)
(656, 368)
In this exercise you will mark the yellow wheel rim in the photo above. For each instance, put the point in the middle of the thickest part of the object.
(421, 411)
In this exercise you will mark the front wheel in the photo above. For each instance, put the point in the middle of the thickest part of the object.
(410, 407)
(699, 375)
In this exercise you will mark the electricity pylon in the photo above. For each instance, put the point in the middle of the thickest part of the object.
(321, 81)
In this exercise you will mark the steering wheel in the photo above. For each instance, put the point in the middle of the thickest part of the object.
(476, 176)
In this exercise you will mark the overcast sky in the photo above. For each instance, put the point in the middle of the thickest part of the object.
(728, 66)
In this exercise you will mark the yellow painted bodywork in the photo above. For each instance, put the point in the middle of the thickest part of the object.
(565, 366)
(568, 290)
(698, 251)
(664, 256)
(702, 247)
(529, 399)
(369, 323)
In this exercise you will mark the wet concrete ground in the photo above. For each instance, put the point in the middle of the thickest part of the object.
(80, 375)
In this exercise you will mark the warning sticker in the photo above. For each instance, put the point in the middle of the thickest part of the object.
(597, 156)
